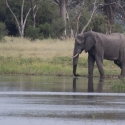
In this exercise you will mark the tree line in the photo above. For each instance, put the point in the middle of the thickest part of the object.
(39, 19)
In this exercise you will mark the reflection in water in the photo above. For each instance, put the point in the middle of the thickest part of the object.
(74, 84)
(90, 84)
(60, 84)
(100, 85)
(59, 100)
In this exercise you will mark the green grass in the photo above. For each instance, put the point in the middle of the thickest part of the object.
(46, 57)
(118, 85)
(36, 66)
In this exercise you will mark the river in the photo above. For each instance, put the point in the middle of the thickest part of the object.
(52, 100)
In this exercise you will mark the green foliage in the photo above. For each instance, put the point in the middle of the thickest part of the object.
(98, 23)
(34, 66)
(84, 19)
(32, 32)
(45, 30)
(57, 27)
(118, 28)
(48, 19)
(46, 12)
(9, 18)
(2, 11)
(2, 30)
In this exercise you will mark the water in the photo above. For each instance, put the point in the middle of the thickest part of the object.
(45, 100)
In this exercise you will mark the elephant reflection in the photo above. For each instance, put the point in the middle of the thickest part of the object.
(90, 84)
(74, 84)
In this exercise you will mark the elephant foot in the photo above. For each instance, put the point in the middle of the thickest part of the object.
(90, 76)
(76, 75)
(102, 76)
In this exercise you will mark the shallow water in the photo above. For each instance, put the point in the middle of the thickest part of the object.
(45, 100)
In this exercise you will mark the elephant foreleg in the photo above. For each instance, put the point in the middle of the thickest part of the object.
(99, 63)
(91, 61)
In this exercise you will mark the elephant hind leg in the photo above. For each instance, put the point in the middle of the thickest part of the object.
(122, 66)
(117, 62)
(91, 61)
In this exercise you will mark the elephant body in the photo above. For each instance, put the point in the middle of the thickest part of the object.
(100, 46)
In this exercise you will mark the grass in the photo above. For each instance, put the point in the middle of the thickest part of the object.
(44, 57)
(38, 49)
(118, 85)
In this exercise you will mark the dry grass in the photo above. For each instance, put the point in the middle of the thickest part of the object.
(39, 49)
(50, 56)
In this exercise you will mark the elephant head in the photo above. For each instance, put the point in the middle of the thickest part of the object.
(85, 42)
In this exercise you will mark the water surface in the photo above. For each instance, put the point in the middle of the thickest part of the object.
(48, 100)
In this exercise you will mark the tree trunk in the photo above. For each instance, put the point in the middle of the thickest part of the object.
(94, 9)
(34, 9)
(63, 10)
(77, 23)
(21, 25)
(109, 9)
(62, 6)
(63, 13)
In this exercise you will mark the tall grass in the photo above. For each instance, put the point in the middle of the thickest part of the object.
(39, 49)
(48, 57)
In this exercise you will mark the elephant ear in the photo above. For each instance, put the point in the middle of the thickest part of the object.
(89, 42)
(80, 38)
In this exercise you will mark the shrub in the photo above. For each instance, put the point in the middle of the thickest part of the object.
(98, 23)
(58, 27)
(45, 30)
(32, 32)
(2, 30)
(118, 28)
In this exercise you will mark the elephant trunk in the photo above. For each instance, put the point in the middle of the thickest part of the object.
(75, 61)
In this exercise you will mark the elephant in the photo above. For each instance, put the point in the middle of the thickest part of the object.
(100, 46)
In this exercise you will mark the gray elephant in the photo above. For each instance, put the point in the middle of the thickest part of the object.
(100, 46)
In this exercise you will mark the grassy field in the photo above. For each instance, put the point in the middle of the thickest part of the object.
(44, 57)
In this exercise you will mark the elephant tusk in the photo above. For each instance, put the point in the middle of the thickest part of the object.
(75, 55)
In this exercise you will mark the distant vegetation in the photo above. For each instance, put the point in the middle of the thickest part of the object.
(45, 19)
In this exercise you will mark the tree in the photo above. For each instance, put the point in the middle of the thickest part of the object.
(109, 9)
(62, 6)
(21, 25)
(34, 9)
(56, 18)
(120, 10)
(94, 9)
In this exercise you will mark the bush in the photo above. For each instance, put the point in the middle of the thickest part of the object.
(2, 30)
(58, 27)
(45, 30)
(54, 30)
(98, 23)
(118, 28)
(32, 33)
